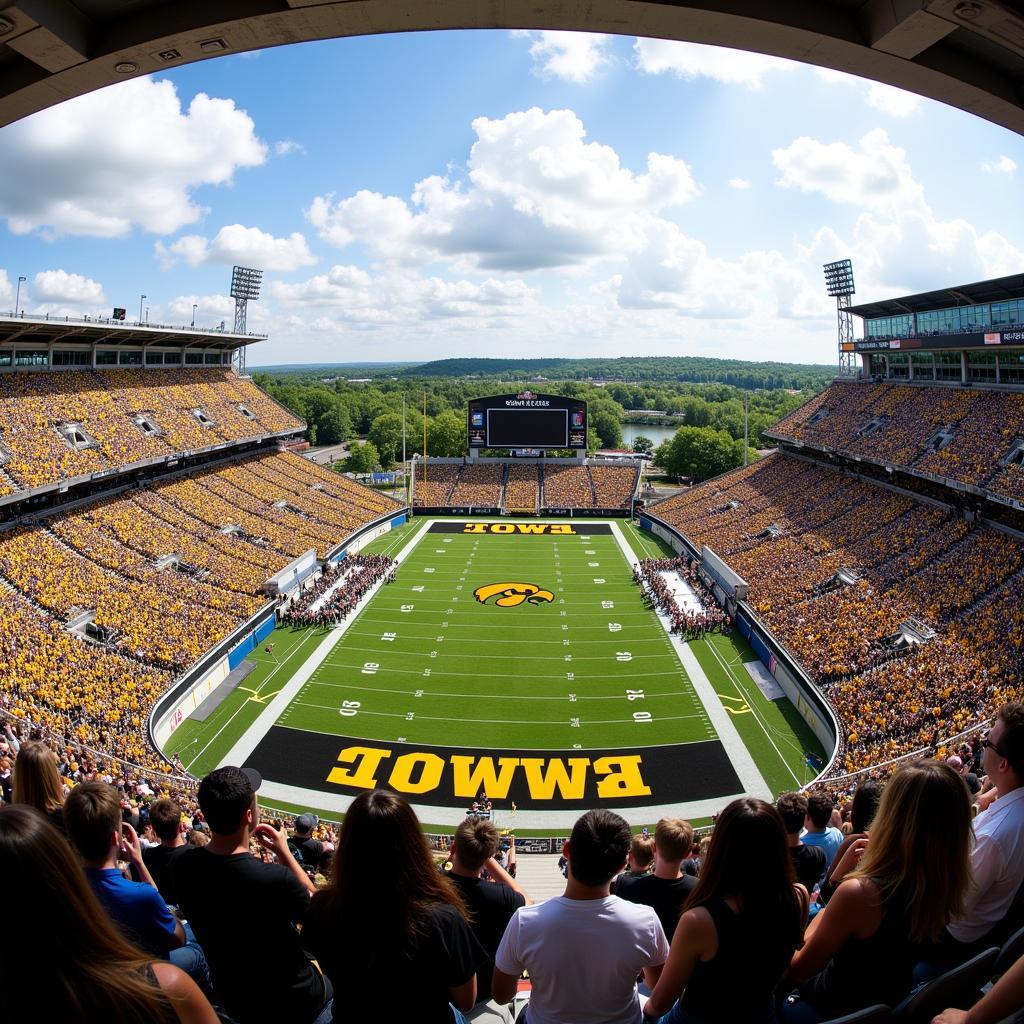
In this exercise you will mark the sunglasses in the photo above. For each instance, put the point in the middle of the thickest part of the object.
(991, 746)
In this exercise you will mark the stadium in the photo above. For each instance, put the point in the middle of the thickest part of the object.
(525, 636)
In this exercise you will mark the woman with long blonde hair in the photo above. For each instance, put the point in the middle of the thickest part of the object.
(898, 889)
(37, 782)
(63, 959)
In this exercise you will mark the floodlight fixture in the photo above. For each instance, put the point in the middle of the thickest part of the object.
(245, 283)
(839, 278)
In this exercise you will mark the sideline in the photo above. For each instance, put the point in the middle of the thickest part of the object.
(240, 752)
(742, 760)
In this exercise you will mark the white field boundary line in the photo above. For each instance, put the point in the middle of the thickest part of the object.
(213, 739)
(750, 704)
(243, 749)
(749, 774)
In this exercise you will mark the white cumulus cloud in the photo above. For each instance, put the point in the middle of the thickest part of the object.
(396, 296)
(538, 195)
(1004, 165)
(876, 174)
(6, 289)
(739, 183)
(573, 56)
(62, 288)
(237, 244)
(123, 157)
(697, 60)
(285, 146)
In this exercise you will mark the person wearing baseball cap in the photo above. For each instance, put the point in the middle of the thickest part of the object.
(309, 852)
(244, 912)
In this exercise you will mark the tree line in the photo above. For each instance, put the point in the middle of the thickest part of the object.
(338, 410)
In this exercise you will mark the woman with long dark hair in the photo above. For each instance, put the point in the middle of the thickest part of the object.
(390, 925)
(898, 889)
(62, 958)
(739, 926)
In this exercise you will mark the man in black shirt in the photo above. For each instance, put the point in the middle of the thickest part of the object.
(245, 912)
(667, 888)
(491, 903)
(165, 817)
(808, 861)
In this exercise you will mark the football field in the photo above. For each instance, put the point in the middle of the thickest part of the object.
(516, 658)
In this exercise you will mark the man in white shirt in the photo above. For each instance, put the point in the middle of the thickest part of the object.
(997, 858)
(584, 949)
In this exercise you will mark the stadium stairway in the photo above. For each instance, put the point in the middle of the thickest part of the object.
(539, 876)
(593, 489)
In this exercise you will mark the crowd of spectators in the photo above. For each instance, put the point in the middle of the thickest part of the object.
(162, 585)
(649, 573)
(140, 903)
(567, 486)
(898, 423)
(104, 404)
(837, 567)
(478, 486)
(614, 486)
(434, 483)
(522, 488)
(344, 585)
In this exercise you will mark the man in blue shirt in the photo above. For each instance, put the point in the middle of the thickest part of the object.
(819, 832)
(92, 817)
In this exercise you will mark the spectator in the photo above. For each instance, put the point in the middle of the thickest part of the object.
(740, 926)
(819, 832)
(667, 888)
(997, 857)
(584, 949)
(808, 861)
(244, 912)
(862, 813)
(390, 925)
(308, 851)
(638, 860)
(36, 782)
(911, 880)
(165, 817)
(491, 904)
(81, 967)
(93, 817)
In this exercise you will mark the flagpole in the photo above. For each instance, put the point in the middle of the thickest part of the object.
(405, 468)
(424, 437)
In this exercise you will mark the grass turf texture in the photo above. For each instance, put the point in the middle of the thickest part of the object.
(499, 678)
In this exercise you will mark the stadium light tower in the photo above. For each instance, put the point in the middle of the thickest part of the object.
(839, 282)
(245, 286)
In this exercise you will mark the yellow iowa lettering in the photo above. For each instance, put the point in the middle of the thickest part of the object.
(470, 779)
(543, 781)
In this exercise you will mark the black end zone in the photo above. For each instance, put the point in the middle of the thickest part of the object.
(532, 779)
(560, 529)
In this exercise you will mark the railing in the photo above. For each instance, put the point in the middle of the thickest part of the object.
(47, 318)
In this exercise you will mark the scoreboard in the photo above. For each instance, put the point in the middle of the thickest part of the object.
(527, 420)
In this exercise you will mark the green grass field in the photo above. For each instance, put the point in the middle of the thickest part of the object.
(426, 662)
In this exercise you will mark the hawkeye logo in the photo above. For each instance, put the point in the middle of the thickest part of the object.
(512, 594)
(560, 529)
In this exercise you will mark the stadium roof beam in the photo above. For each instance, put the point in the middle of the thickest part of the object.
(81, 332)
(966, 53)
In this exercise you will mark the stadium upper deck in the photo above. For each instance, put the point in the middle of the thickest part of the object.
(968, 334)
(81, 401)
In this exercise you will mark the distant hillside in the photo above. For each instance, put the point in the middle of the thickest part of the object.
(341, 369)
(696, 369)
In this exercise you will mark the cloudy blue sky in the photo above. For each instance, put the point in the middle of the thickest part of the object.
(495, 193)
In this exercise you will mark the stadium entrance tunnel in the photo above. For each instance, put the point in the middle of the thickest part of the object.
(328, 767)
(965, 54)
